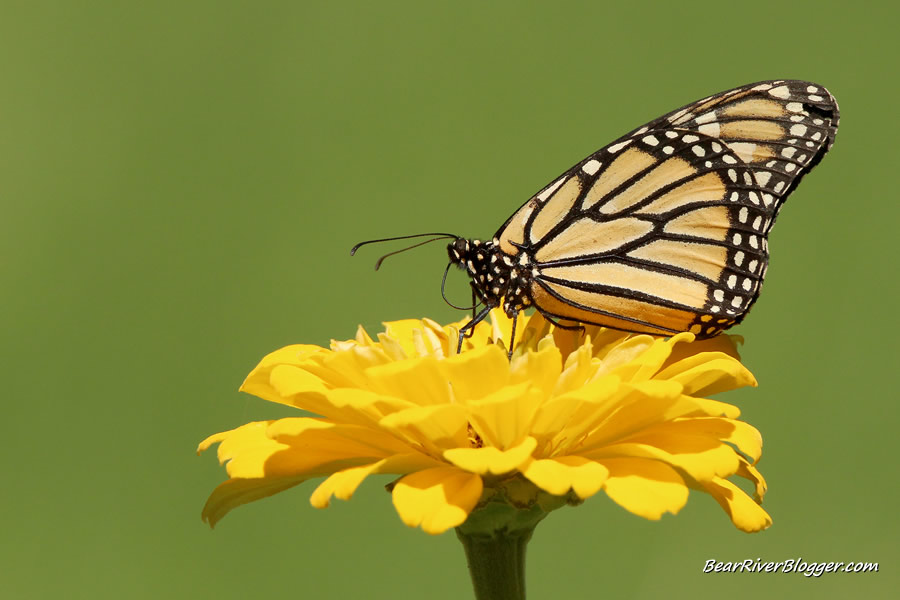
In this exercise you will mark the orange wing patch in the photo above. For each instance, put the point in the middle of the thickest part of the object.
(609, 311)
(586, 237)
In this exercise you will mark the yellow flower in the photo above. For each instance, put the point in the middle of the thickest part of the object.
(572, 413)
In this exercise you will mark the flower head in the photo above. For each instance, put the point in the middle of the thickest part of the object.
(573, 412)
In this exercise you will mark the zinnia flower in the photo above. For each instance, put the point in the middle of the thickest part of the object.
(570, 414)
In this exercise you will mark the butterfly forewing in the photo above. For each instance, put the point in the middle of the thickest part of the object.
(665, 229)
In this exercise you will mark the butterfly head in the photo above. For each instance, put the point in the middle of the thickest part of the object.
(477, 258)
(496, 276)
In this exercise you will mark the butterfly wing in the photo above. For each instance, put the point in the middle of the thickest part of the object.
(664, 230)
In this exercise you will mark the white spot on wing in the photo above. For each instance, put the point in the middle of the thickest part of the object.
(781, 91)
(651, 140)
(550, 189)
(616, 147)
(763, 177)
(591, 166)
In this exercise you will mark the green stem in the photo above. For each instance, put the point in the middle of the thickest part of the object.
(497, 563)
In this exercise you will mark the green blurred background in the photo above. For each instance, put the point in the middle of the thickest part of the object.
(181, 183)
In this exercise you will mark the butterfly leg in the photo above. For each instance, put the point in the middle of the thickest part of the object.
(469, 328)
(474, 305)
(512, 336)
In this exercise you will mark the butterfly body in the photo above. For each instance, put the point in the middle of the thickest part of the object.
(664, 230)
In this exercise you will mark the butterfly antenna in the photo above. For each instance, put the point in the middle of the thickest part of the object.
(402, 237)
(381, 260)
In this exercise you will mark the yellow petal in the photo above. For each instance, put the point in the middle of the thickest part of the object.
(343, 484)
(575, 412)
(541, 368)
(750, 473)
(606, 341)
(347, 368)
(360, 407)
(298, 387)
(647, 363)
(703, 436)
(437, 499)
(617, 356)
(362, 337)
(490, 460)
(416, 380)
(428, 343)
(646, 488)
(577, 370)
(708, 373)
(724, 343)
(712, 408)
(503, 418)
(235, 492)
(743, 511)
(434, 428)
(635, 407)
(300, 447)
(246, 449)
(701, 458)
(401, 333)
(318, 441)
(257, 382)
(559, 475)
(476, 373)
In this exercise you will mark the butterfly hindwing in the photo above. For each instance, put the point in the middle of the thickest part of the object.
(652, 222)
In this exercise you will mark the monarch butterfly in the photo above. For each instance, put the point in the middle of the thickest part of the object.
(665, 229)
